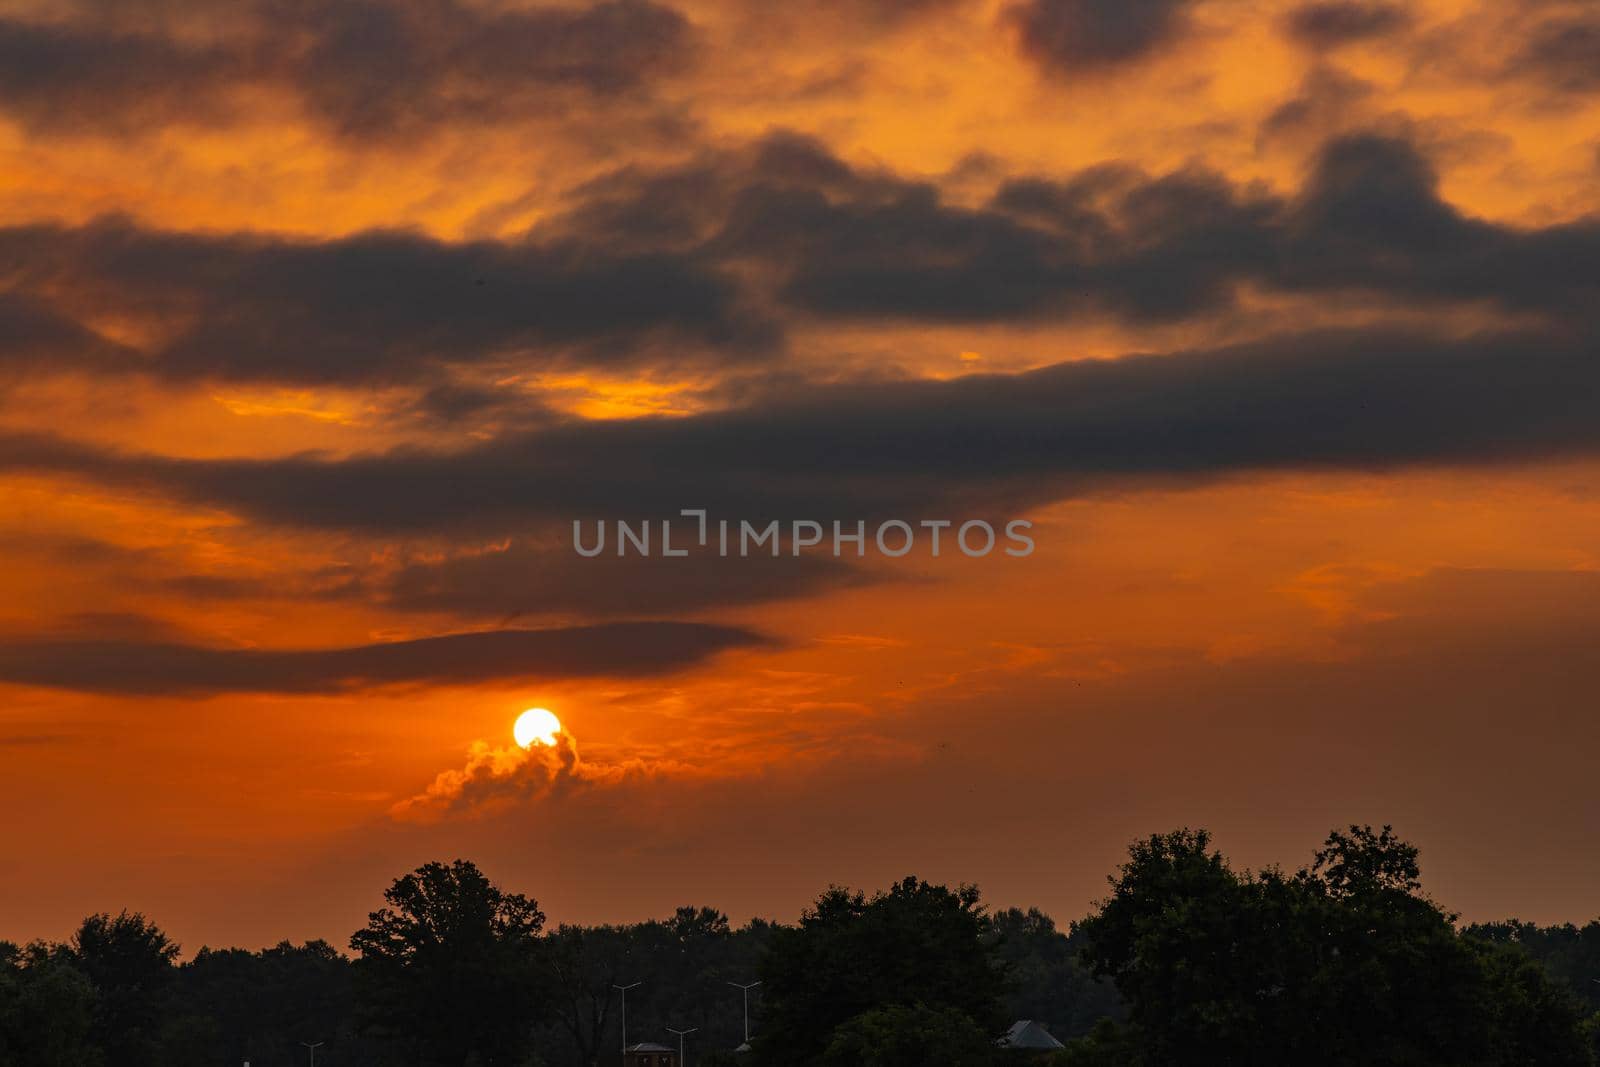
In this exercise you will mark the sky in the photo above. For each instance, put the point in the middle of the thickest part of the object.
(320, 325)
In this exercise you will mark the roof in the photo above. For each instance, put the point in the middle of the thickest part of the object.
(1025, 1033)
(648, 1046)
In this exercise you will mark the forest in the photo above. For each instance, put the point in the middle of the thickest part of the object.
(1185, 960)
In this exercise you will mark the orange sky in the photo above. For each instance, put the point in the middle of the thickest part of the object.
(315, 337)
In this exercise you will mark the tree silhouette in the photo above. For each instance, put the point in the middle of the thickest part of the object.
(1048, 983)
(916, 945)
(261, 1005)
(1343, 962)
(913, 1035)
(1186, 962)
(46, 1009)
(449, 969)
(130, 963)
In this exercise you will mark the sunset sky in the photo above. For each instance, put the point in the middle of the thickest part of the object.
(320, 323)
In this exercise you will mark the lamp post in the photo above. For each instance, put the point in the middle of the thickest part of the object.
(311, 1050)
(746, 990)
(624, 989)
(681, 1035)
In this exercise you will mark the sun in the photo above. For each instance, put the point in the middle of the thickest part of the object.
(536, 726)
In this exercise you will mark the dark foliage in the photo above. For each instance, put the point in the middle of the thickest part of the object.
(918, 946)
(1187, 961)
(448, 969)
(1343, 962)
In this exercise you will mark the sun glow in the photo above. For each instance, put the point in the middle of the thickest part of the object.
(536, 726)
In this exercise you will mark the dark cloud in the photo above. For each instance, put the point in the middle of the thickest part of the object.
(68, 79)
(1354, 399)
(1151, 249)
(1084, 36)
(159, 668)
(1322, 108)
(1107, 242)
(706, 263)
(872, 13)
(890, 10)
(373, 68)
(528, 579)
(1564, 52)
(368, 68)
(378, 307)
(1333, 23)
(35, 337)
(519, 580)
(452, 401)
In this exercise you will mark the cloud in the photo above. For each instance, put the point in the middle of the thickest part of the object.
(68, 79)
(35, 338)
(377, 67)
(890, 11)
(163, 668)
(495, 779)
(1113, 241)
(1336, 22)
(528, 578)
(1085, 36)
(367, 69)
(1325, 103)
(1340, 399)
(709, 264)
(1563, 51)
(375, 307)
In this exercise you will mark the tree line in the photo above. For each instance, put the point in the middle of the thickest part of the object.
(1187, 960)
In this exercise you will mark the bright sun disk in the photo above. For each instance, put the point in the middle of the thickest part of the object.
(536, 726)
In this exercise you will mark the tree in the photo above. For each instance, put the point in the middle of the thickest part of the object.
(261, 1005)
(448, 969)
(46, 1009)
(685, 961)
(1364, 864)
(913, 1035)
(130, 963)
(917, 944)
(1342, 962)
(586, 965)
(1532, 1019)
(1570, 954)
(1048, 983)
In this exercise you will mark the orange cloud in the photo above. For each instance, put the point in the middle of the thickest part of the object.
(495, 778)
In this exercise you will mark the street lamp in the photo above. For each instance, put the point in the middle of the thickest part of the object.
(311, 1050)
(681, 1035)
(625, 989)
(746, 989)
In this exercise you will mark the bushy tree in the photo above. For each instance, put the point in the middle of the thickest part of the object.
(131, 964)
(46, 1009)
(1568, 953)
(1047, 981)
(448, 968)
(259, 1006)
(1343, 962)
(916, 944)
(910, 1035)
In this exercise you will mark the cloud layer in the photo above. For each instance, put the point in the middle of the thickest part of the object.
(366, 69)
(150, 668)
(711, 264)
